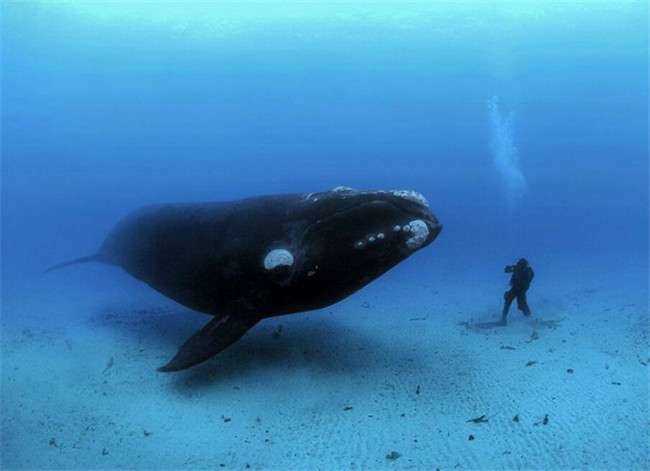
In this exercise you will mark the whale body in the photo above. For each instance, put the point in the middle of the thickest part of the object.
(246, 260)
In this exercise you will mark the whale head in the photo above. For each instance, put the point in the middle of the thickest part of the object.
(347, 239)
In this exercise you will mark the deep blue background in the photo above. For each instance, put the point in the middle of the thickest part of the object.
(107, 107)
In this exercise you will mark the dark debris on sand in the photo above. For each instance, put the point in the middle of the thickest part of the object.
(544, 421)
(478, 420)
(393, 455)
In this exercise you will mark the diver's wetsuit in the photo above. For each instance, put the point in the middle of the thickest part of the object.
(522, 275)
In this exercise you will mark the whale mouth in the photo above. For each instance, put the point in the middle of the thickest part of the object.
(388, 224)
(377, 225)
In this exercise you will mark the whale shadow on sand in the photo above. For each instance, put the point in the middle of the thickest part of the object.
(314, 341)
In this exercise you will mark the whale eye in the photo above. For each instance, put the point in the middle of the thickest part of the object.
(278, 258)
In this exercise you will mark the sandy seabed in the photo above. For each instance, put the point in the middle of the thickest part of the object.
(390, 378)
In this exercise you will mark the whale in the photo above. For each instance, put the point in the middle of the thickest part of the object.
(246, 260)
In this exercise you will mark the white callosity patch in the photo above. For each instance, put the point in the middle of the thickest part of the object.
(419, 231)
(278, 257)
(342, 189)
(370, 239)
(411, 196)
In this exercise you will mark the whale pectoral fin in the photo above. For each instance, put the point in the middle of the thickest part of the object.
(215, 336)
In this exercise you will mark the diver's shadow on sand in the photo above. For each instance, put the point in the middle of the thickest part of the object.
(488, 325)
(315, 342)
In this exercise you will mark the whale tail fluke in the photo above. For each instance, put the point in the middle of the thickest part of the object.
(90, 258)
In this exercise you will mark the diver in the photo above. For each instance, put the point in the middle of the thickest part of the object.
(522, 275)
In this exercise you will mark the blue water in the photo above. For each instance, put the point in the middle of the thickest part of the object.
(525, 124)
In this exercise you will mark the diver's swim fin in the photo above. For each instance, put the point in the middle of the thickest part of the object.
(215, 336)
